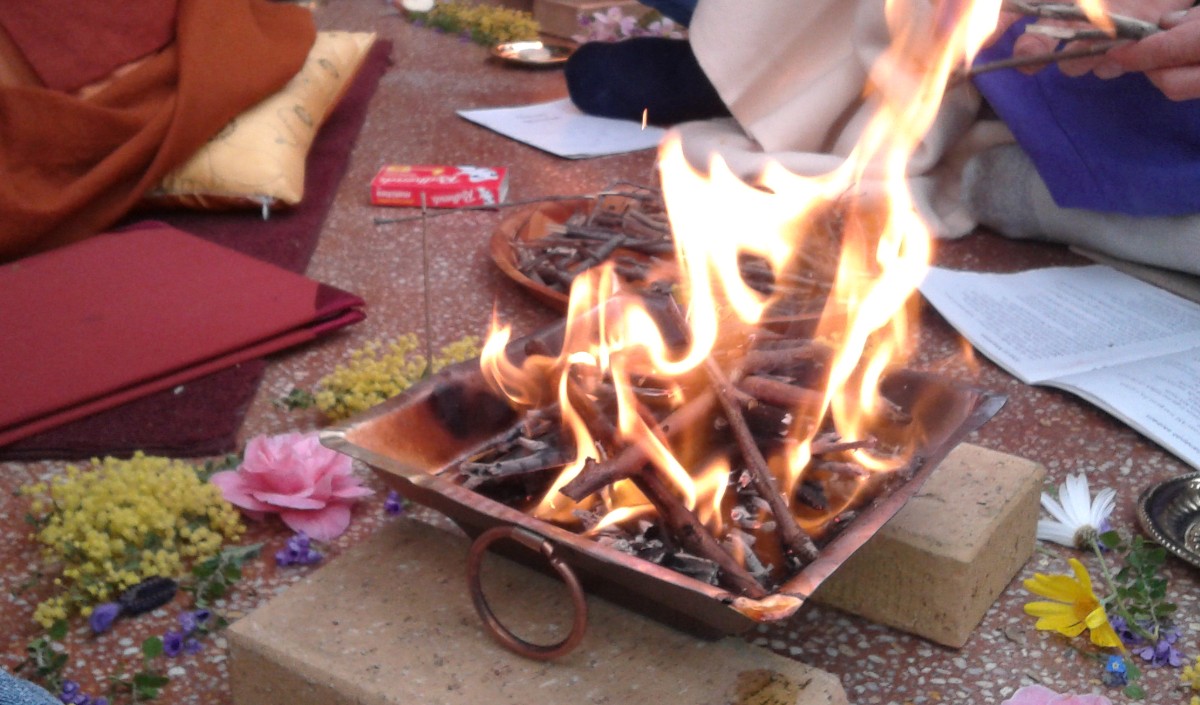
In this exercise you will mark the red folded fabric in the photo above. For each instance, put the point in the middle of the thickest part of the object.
(70, 44)
(125, 314)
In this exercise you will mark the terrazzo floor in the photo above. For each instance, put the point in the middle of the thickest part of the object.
(439, 271)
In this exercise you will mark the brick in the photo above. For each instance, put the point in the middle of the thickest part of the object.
(941, 562)
(390, 622)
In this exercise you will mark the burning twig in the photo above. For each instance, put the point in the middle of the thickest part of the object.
(799, 546)
(692, 535)
(1122, 27)
(632, 458)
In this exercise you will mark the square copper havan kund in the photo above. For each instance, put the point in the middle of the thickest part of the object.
(411, 440)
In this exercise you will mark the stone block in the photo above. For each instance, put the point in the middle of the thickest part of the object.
(391, 622)
(941, 562)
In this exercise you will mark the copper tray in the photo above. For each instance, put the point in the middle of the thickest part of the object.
(409, 438)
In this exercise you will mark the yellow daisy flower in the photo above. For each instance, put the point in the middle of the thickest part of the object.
(1074, 606)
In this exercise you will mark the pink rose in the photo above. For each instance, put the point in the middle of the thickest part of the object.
(310, 486)
(1041, 695)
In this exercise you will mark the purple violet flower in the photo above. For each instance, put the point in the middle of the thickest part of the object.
(1162, 652)
(193, 620)
(393, 505)
(298, 552)
(172, 643)
(192, 645)
(103, 616)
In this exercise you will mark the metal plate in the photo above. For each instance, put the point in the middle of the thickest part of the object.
(534, 54)
(1170, 513)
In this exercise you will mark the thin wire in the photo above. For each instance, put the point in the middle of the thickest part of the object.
(490, 207)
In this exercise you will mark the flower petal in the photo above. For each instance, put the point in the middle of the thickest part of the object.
(235, 491)
(1055, 509)
(1056, 532)
(297, 501)
(1102, 506)
(1101, 632)
(1085, 580)
(321, 524)
(1056, 587)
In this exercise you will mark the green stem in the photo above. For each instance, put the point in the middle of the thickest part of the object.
(1122, 610)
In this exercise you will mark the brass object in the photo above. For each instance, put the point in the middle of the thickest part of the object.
(1170, 512)
(532, 54)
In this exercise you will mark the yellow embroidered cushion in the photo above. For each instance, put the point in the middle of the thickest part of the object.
(258, 158)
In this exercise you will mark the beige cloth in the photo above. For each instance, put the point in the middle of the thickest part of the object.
(794, 74)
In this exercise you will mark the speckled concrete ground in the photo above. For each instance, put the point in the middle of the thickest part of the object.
(412, 121)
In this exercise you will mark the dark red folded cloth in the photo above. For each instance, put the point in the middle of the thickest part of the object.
(121, 315)
(203, 417)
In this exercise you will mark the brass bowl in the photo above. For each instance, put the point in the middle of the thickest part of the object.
(1170, 512)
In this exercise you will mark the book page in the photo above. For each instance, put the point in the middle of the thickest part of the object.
(1159, 397)
(1047, 323)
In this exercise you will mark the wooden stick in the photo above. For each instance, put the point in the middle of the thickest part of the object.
(632, 458)
(1048, 58)
(1125, 27)
(778, 393)
(798, 545)
(691, 534)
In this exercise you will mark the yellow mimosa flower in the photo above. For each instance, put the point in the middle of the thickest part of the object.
(1074, 606)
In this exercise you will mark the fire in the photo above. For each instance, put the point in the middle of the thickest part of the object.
(1098, 15)
(617, 341)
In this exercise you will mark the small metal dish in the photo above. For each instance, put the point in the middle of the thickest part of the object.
(1170, 512)
(535, 54)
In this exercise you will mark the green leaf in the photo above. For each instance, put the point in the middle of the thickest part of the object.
(150, 679)
(205, 568)
(1110, 539)
(1134, 691)
(238, 555)
(232, 573)
(58, 630)
(152, 647)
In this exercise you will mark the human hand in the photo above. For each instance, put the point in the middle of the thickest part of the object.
(1170, 59)
(1032, 44)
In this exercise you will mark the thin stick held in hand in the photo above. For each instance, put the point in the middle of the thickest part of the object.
(1014, 62)
(1124, 27)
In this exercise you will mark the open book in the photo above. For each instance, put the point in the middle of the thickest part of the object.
(1126, 346)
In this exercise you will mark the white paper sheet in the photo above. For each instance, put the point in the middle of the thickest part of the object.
(1124, 345)
(558, 127)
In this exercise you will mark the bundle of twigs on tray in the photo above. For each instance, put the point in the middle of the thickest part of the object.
(627, 225)
(754, 400)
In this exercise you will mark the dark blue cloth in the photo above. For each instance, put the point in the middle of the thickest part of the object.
(678, 10)
(1117, 146)
(653, 74)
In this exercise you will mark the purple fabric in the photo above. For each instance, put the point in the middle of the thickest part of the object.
(1116, 146)
(203, 417)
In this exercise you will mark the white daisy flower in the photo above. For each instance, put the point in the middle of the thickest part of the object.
(1078, 519)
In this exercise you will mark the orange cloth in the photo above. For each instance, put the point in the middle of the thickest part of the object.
(71, 167)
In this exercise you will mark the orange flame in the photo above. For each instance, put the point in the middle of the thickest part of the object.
(718, 220)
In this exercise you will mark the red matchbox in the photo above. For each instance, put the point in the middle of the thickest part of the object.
(439, 186)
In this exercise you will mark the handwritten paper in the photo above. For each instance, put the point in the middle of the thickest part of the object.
(558, 127)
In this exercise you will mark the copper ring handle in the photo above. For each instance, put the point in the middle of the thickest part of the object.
(510, 641)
